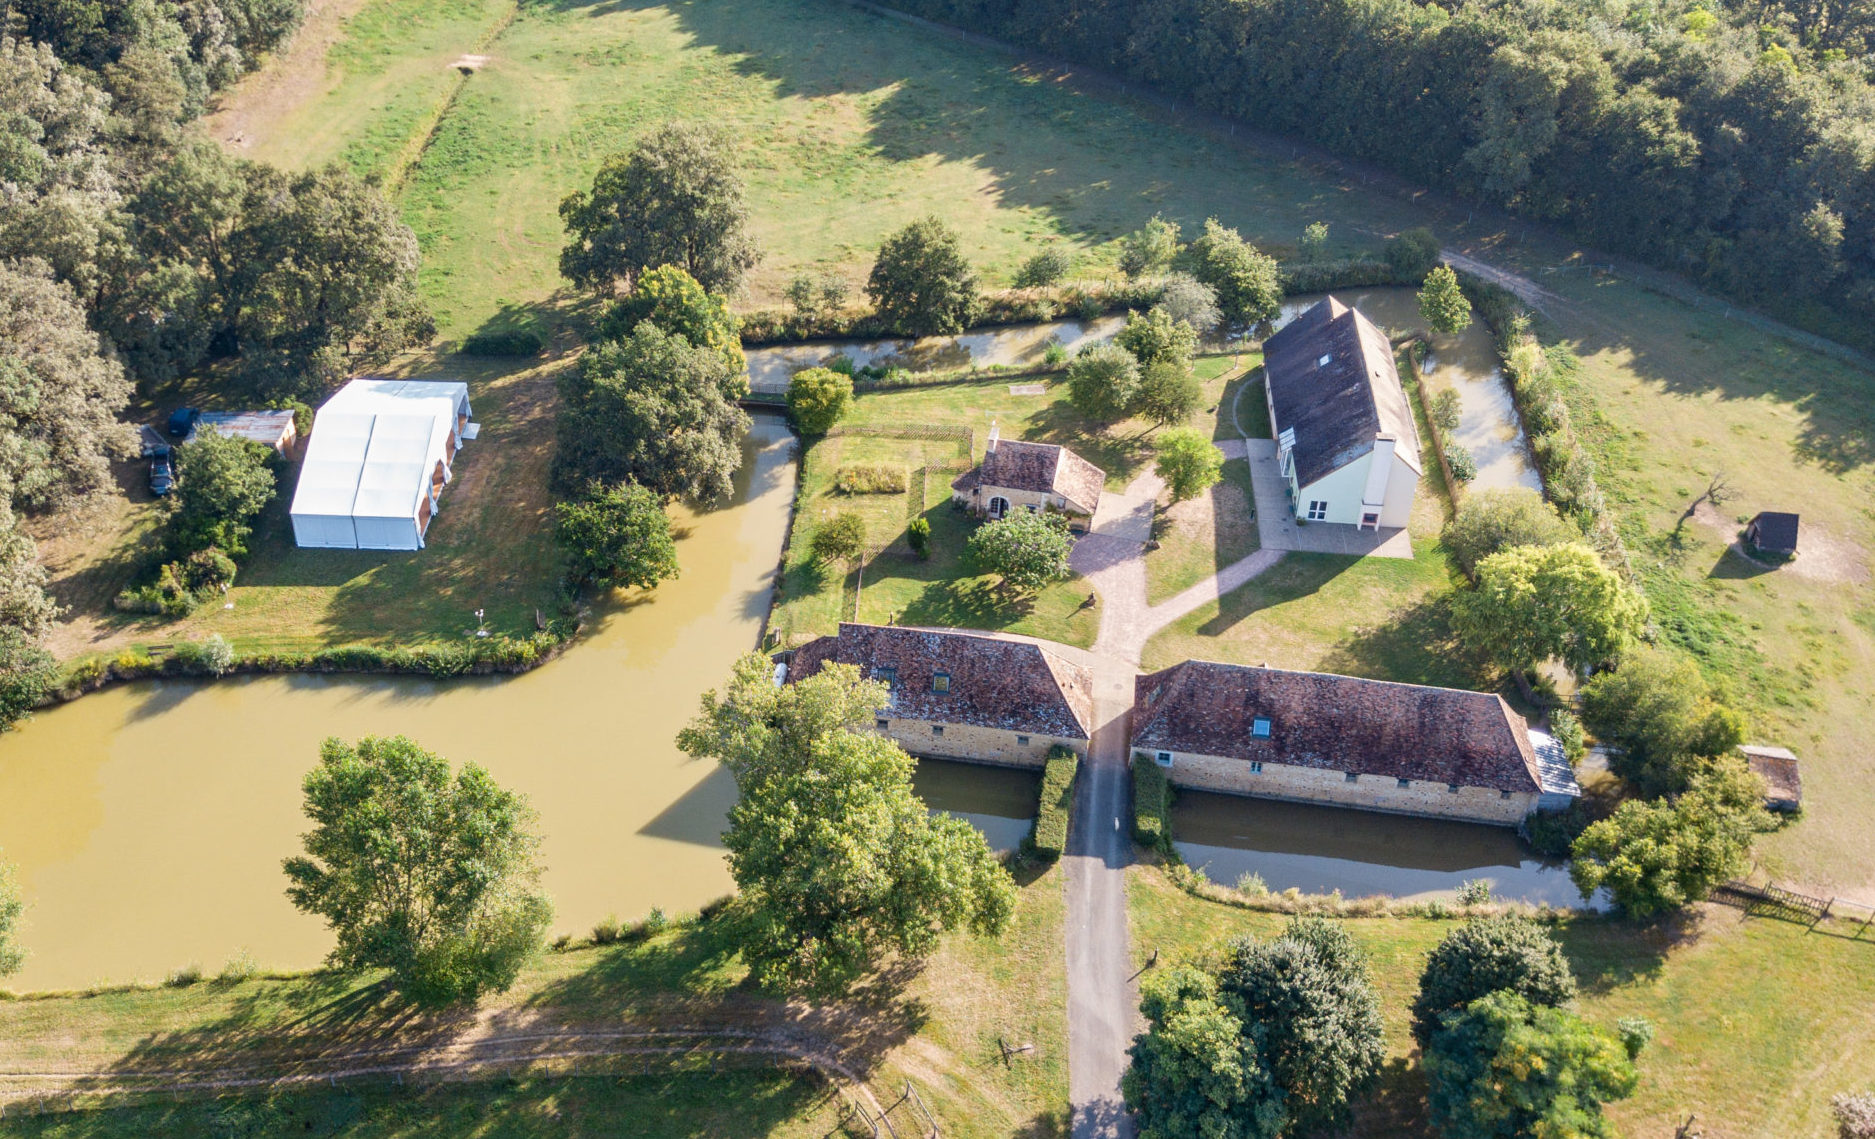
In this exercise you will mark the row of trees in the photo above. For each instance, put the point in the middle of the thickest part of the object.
(1726, 141)
(1539, 593)
(1286, 1034)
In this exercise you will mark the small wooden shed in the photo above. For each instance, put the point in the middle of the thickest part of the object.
(1772, 532)
(1783, 786)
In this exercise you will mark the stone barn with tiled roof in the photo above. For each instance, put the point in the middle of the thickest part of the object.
(1368, 744)
(1038, 476)
(1345, 439)
(960, 696)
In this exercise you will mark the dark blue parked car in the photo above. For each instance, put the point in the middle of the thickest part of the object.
(183, 422)
(162, 473)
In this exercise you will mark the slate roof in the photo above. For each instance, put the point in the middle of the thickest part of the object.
(1010, 685)
(1336, 723)
(1336, 409)
(1783, 783)
(1775, 531)
(1042, 468)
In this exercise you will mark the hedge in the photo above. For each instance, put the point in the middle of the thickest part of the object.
(1152, 804)
(1056, 803)
(506, 342)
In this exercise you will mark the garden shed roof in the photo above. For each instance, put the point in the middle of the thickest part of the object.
(1041, 468)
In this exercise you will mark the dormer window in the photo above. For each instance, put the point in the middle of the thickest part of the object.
(1323, 362)
(886, 674)
(1260, 728)
(940, 681)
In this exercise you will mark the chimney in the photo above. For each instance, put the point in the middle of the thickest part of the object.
(995, 434)
(1381, 470)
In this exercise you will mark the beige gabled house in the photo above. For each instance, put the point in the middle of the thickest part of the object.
(1346, 443)
(1030, 476)
(1369, 744)
(961, 696)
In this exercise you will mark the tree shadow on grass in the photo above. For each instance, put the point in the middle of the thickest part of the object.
(1120, 456)
(1295, 577)
(1414, 645)
(1608, 952)
(972, 603)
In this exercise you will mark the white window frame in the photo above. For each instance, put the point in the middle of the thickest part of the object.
(1318, 510)
(1256, 767)
(1163, 759)
(937, 729)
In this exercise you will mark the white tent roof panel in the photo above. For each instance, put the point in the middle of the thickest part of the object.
(375, 447)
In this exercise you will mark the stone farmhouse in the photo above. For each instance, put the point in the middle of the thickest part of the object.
(1038, 476)
(1369, 744)
(1345, 438)
(958, 696)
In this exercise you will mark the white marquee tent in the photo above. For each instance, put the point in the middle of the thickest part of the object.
(379, 455)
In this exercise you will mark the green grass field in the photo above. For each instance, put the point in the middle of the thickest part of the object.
(1756, 1060)
(936, 1025)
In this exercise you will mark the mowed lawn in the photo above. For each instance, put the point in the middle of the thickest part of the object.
(1759, 1022)
(936, 1025)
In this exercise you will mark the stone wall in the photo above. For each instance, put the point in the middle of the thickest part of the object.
(1018, 499)
(978, 745)
(1368, 793)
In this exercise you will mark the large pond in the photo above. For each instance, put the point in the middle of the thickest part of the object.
(1360, 853)
(1465, 362)
(149, 821)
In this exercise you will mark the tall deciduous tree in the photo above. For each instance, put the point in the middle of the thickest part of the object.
(1487, 955)
(1168, 393)
(1308, 1005)
(59, 392)
(223, 484)
(1247, 282)
(674, 199)
(1506, 1067)
(1537, 602)
(1029, 549)
(1654, 857)
(1188, 299)
(24, 604)
(1660, 719)
(428, 875)
(617, 535)
(1193, 1073)
(837, 862)
(674, 301)
(656, 410)
(1189, 462)
(1150, 248)
(61, 185)
(921, 284)
(1154, 336)
(1103, 383)
(1487, 521)
(818, 398)
(1442, 303)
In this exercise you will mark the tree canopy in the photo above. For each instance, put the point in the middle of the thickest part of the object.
(840, 538)
(818, 398)
(1189, 462)
(1185, 298)
(224, 483)
(673, 300)
(1168, 393)
(617, 535)
(1505, 952)
(1247, 283)
(1487, 521)
(1442, 303)
(921, 285)
(1193, 1073)
(1655, 857)
(1150, 248)
(1155, 336)
(1660, 719)
(1029, 549)
(837, 862)
(12, 906)
(1103, 382)
(1506, 1067)
(653, 409)
(1537, 602)
(428, 875)
(676, 199)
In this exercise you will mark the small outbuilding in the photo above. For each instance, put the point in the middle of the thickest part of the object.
(1034, 476)
(270, 428)
(1772, 532)
(377, 460)
(1783, 786)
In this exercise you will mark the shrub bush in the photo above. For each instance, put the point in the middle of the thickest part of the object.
(870, 478)
(1568, 732)
(1855, 1115)
(1464, 467)
(918, 535)
(1045, 268)
(1056, 804)
(505, 342)
(1152, 804)
(1444, 411)
(840, 538)
(180, 586)
(213, 656)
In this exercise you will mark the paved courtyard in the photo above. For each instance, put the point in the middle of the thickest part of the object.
(1277, 528)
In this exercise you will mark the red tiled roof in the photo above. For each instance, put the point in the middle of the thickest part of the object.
(1011, 685)
(1336, 723)
(1041, 468)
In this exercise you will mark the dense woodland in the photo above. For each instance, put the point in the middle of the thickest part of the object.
(1729, 140)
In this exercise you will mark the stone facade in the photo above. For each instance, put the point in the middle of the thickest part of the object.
(978, 498)
(1366, 793)
(999, 746)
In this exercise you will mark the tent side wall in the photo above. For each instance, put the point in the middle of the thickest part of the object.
(325, 531)
(388, 534)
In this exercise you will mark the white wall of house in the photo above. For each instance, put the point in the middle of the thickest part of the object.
(1344, 489)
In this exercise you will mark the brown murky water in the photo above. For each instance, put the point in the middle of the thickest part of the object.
(149, 821)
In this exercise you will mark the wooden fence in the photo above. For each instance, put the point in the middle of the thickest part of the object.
(1777, 901)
